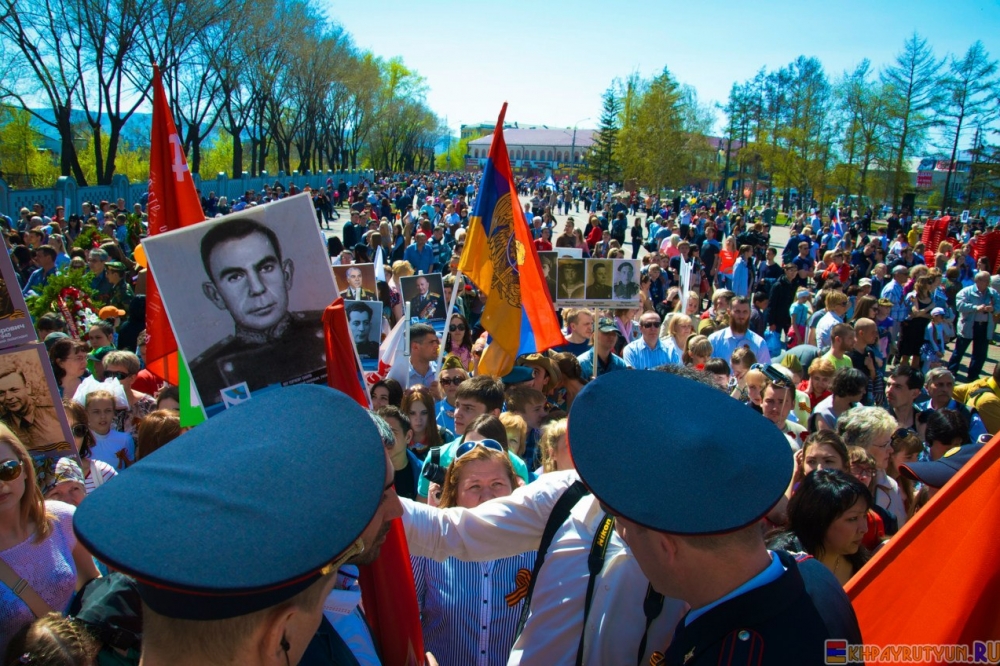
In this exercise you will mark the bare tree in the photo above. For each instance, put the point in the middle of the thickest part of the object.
(972, 89)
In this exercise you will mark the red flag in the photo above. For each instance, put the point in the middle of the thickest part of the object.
(387, 590)
(173, 203)
(938, 580)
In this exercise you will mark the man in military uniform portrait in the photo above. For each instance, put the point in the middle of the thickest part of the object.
(250, 279)
(354, 291)
(599, 287)
(29, 414)
(626, 287)
(359, 319)
(426, 305)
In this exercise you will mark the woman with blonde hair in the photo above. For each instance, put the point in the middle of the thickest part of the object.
(679, 328)
(36, 541)
(554, 447)
(446, 591)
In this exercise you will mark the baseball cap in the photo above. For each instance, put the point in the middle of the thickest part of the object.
(606, 325)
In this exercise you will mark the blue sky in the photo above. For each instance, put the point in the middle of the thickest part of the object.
(552, 60)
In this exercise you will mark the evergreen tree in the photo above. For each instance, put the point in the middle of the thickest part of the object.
(602, 164)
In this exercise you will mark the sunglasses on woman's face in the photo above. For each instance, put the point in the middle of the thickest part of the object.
(79, 430)
(120, 376)
(11, 469)
(450, 381)
(456, 327)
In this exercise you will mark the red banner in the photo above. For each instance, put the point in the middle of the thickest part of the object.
(173, 203)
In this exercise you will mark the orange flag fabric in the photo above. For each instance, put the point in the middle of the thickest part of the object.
(937, 582)
(173, 203)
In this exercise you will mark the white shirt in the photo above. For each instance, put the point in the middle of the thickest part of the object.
(512, 525)
(341, 608)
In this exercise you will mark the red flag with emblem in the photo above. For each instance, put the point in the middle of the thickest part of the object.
(387, 590)
(173, 203)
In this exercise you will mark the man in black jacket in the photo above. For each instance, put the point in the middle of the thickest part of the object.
(691, 514)
(782, 296)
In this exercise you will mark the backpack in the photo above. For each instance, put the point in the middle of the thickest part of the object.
(618, 230)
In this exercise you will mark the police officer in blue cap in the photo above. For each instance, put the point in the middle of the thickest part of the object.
(235, 531)
(688, 498)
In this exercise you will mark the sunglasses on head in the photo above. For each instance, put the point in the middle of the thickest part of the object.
(118, 375)
(449, 381)
(456, 327)
(485, 443)
(11, 469)
(79, 430)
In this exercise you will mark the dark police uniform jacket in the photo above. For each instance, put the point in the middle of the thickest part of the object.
(783, 623)
(294, 353)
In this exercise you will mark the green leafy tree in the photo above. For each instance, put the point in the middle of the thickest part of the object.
(23, 162)
(601, 162)
(913, 80)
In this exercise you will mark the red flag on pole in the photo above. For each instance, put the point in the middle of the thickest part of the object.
(387, 590)
(173, 203)
(938, 580)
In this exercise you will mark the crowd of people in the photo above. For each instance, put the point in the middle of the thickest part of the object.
(846, 346)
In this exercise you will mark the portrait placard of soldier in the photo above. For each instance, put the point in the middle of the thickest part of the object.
(364, 319)
(27, 385)
(599, 279)
(356, 282)
(425, 294)
(245, 295)
(626, 280)
(549, 264)
(569, 279)
(15, 325)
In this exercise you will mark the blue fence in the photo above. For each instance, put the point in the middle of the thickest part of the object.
(66, 193)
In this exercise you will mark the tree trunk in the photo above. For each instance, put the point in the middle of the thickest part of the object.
(237, 155)
(952, 165)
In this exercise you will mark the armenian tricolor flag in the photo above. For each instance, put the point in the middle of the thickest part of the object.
(500, 257)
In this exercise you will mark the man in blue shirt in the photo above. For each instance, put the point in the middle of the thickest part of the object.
(725, 342)
(419, 254)
(45, 257)
(650, 351)
(607, 336)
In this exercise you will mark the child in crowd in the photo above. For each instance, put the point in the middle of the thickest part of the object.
(110, 446)
(697, 353)
(800, 317)
(884, 323)
(932, 351)
(740, 362)
(719, 370)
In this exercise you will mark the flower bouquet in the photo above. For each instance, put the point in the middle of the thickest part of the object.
(68, 294)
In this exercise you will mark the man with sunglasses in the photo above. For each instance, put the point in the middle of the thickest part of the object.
(650, 351)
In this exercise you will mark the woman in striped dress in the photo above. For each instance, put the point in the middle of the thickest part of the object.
(470, 610)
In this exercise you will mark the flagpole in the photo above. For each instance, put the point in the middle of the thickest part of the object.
(406, 340)
(451, 308)
(597, 357)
